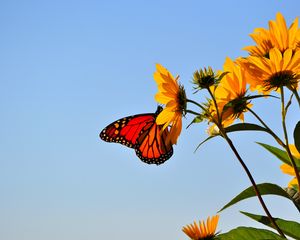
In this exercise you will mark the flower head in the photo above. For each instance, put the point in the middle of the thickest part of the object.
(172, 95)
(279, 70)
(287, 169)
(205, 78)
(281, 36)
(278, 35)
(230, 96)
(202, 230)
(263, 42)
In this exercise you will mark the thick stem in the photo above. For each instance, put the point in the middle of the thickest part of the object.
(223, 134)
(253, 184)
(287, 148)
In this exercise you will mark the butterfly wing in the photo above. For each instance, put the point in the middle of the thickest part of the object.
(126, 130)
(143, 134)
(151, 146)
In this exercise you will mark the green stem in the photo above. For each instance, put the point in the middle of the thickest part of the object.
(258, 194)
(287, 148)
(216, 106)
(197, 104)
(297, 96)
(280, 142)
(192, 112)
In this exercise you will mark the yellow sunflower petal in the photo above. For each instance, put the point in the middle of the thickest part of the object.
(287, 56)
(202, 229)
(294, 151)
(293, 182)
(287, 169)
(175, 130)
(282, 30)
(164, 116)
(261, 63)
(294, 64)
(275, 57)
(171, 94)
(293, 33)
(161, 98)
(171, 105)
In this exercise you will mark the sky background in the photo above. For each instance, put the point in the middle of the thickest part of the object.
(69, 68)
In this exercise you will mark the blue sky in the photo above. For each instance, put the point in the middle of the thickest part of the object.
(69, 68)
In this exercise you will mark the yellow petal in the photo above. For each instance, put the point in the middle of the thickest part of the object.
(283, 31)
(275, 57)
(261, 63)
(294, 151)
(294, 64)
(176, 129)
(287, 169)
(293, 33)
(293, 182)
(161, 98)
(287, 55)
(164, 117)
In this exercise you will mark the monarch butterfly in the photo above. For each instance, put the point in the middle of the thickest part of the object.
(143, 134)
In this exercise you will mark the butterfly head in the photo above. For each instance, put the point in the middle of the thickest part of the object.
(158, 110)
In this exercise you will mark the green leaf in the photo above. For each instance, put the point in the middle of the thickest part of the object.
(264, 189)
(297, 136)
(197, 119)
(280, 154)
(234, 128)
(221, 76)
(289, 228)
(245, 127)
(210, 137)
(249, 233)
(260, 96)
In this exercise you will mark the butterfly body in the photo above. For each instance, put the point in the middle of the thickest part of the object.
(143, 134)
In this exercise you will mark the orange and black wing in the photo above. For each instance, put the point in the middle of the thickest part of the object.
(126, 130)
(151, 146)
(143, 134)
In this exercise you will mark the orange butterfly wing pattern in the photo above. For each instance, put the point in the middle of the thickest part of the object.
(151, 146)
(143, 134)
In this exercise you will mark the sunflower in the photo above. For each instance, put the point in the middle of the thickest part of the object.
(279, 70)
(278, 35)
(282, 37)
(263, 42)
(230, 96)
(172, 95)
(287, 169)
(202, 230)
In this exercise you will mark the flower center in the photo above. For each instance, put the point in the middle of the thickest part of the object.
(181, 99)
(283, 78)
(237, 106)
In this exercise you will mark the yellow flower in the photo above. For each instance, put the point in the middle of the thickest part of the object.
(205, 78)
(230, 96)
(287, 169)
(282, 37)
(202, 230)
(263, 42)
(278, 35)
(267, 74)
(232, 89)
(173, 96)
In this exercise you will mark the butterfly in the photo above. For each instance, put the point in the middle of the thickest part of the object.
(141, 133)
